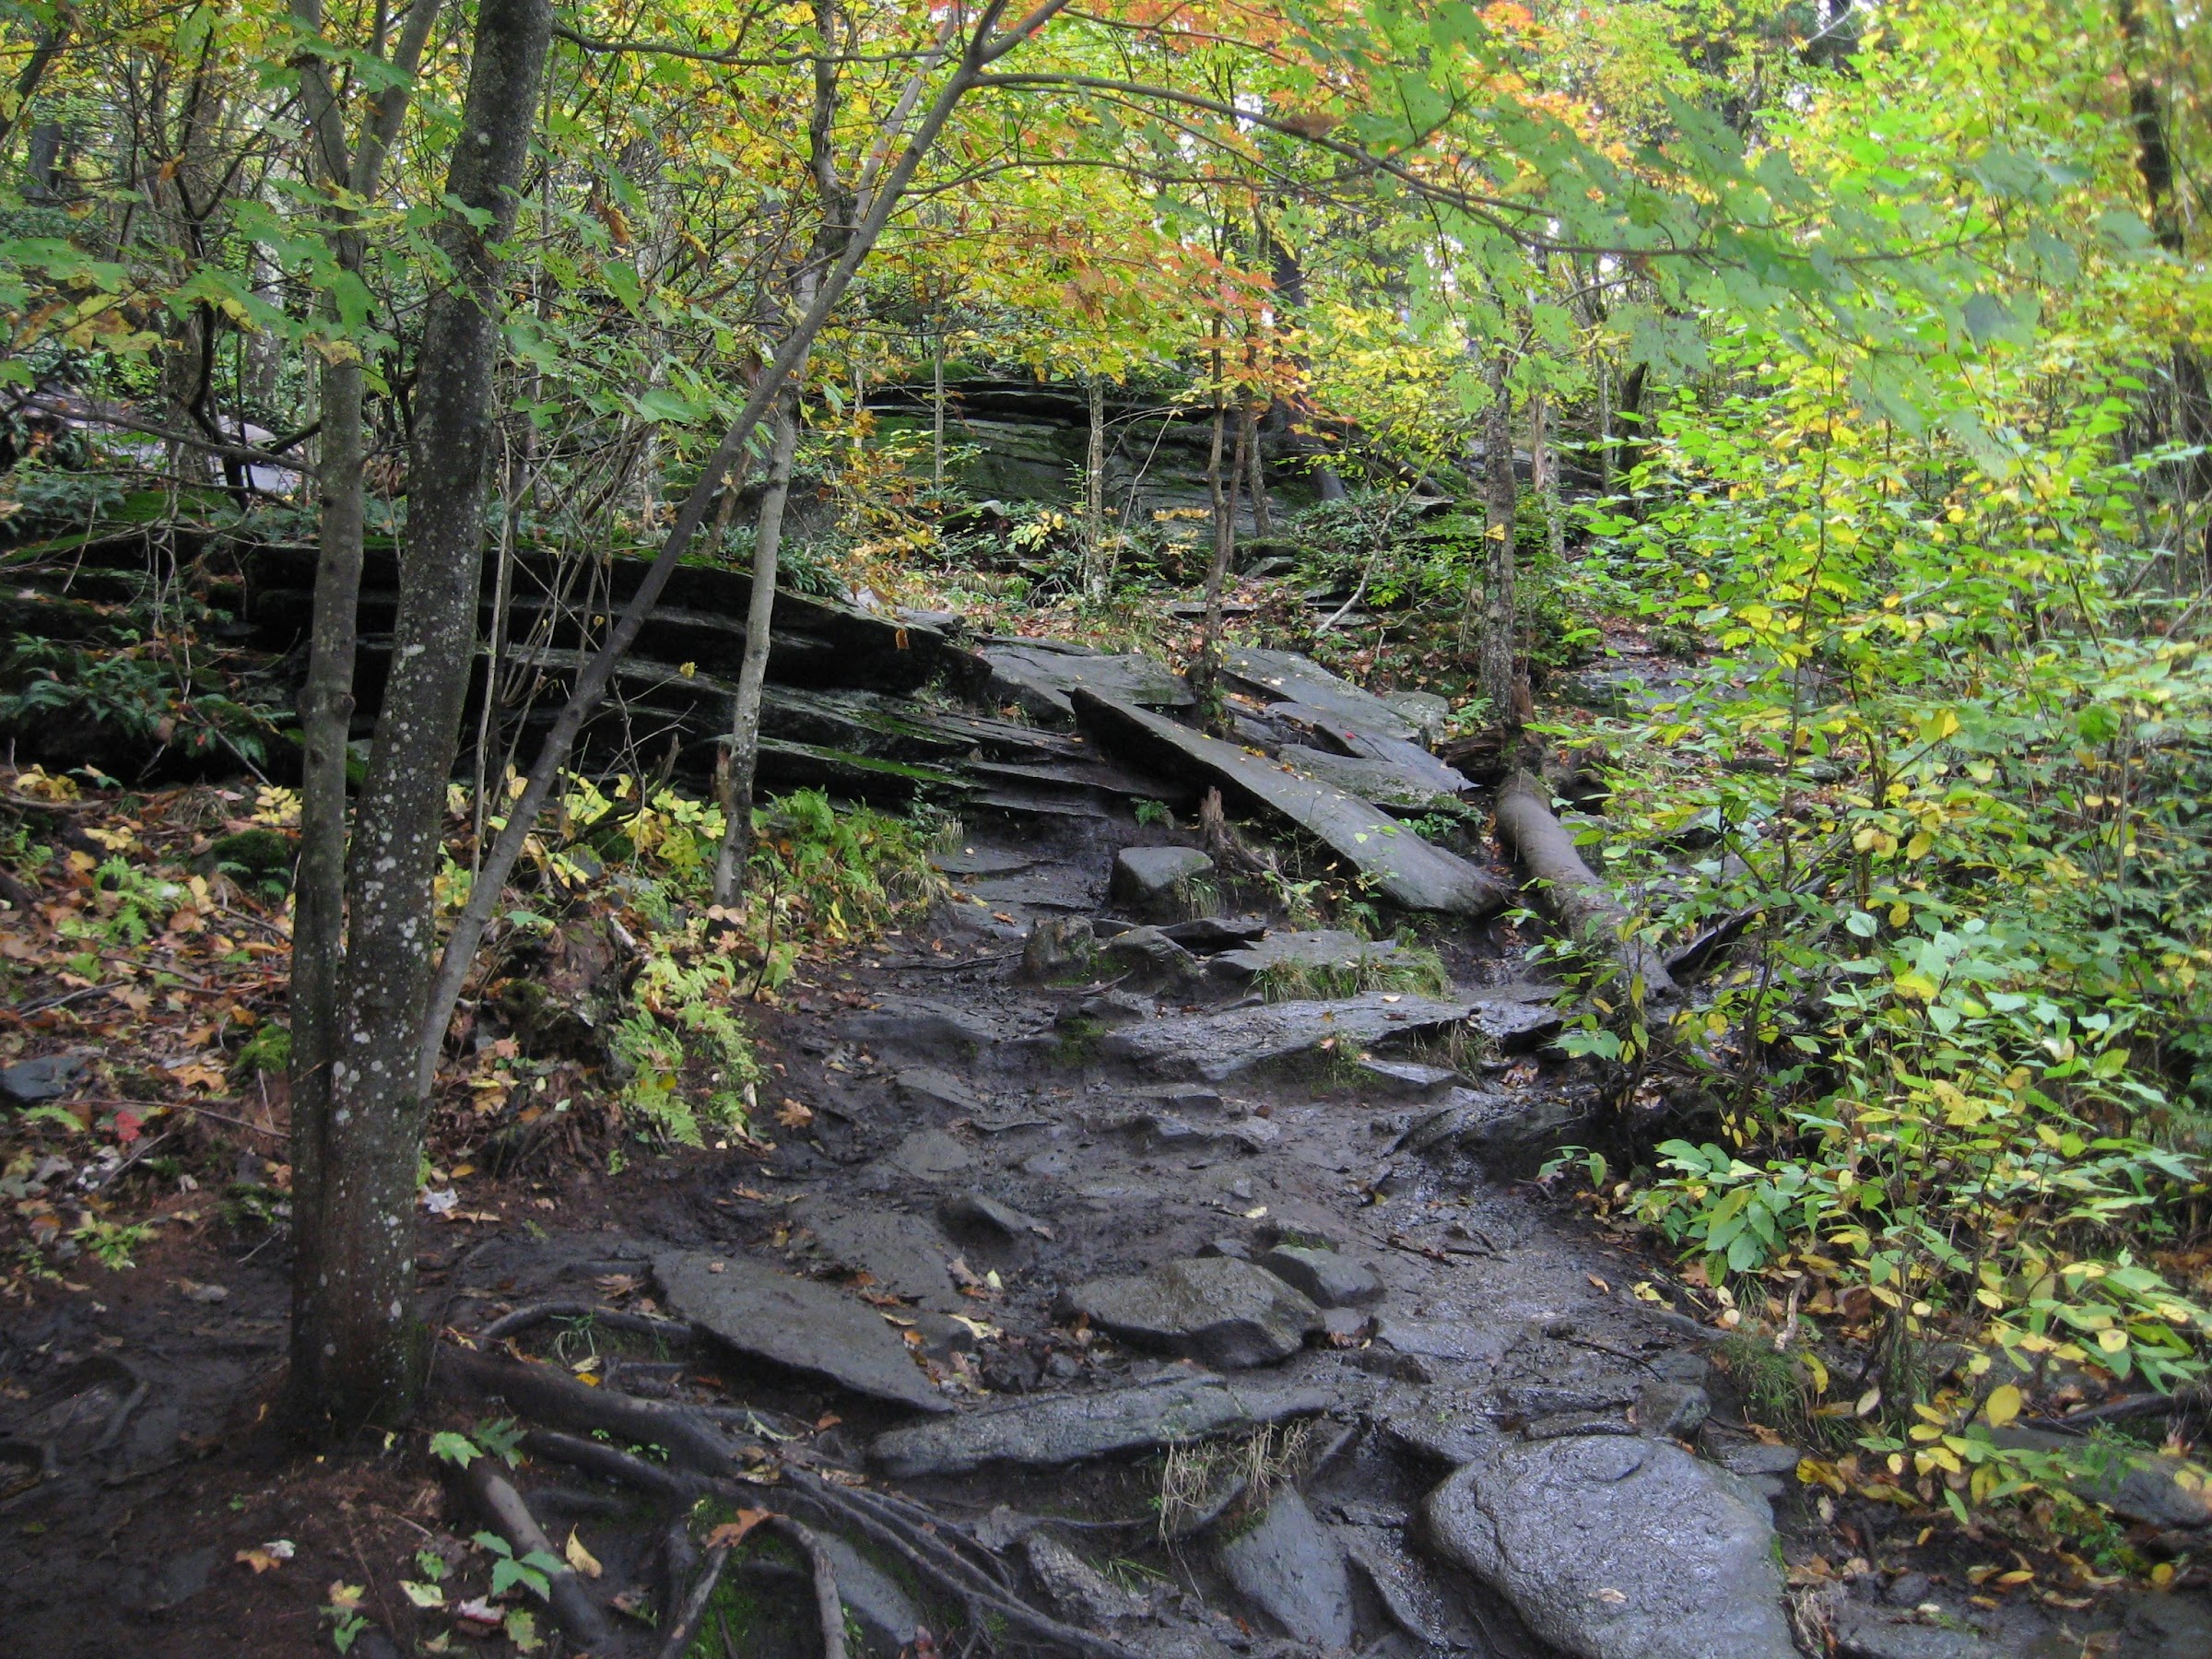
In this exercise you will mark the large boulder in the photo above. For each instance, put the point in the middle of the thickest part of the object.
(1613, 1547)
(1221, 1312)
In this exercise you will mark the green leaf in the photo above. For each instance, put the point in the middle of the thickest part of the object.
(456, 1449)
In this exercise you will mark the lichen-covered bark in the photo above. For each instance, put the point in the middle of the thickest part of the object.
(357, 1347)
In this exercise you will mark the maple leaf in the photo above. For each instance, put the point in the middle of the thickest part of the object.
(733, 1531)
(793, 1115)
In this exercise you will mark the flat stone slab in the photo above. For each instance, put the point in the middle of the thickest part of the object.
(1405, 869)
(930, 1155)
(1324, 949)
(1038, 680)
(1212, 1047)
(1350, 739)
(904, 1255)
(1285, 676)
(1219, 1311)
(795, 1322)
(1382, 782)
(934, 1085)
(1150, 878)
(1292, 1569)
(1049, 1431)
(1611, 1548)
(1327, 1280)
(1407, 1077)
(904, 1026)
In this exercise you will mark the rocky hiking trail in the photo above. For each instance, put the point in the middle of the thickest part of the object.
(1075, 1296)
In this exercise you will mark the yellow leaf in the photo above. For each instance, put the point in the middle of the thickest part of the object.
(2003, 1405)
(2111, 1341)
(580, 1559)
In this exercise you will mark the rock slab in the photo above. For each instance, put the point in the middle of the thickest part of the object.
(795, 1322)
(1213, 1047)
(1148, 878)
(1219, 1311)
(1052, 1430)
(1405, 869)
(1616, 1548)
(1293, 1571)
(1328, 1280)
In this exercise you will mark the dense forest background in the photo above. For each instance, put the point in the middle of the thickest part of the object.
(1782, 427)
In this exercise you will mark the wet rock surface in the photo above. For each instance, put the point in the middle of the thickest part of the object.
(1289, 1566)
(1615, 1548)
(793, 1323)
(1216, 1310)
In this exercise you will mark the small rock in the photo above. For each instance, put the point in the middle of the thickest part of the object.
(2149, 1487)
(1675, 1409)
(1346, 1327)
(48, 1078)
(1236, 1249)
(886, 1618)
(1150, 880)
(1756, 1460)
(1907, 1590)
(1207, 934)
(1077, 1590)
(1219, 1311)
(933, 1085)
(918, 1028)
(1147, 959)
(1058, 947)
(1328, 1279)
(795, 1322)
(942, 1335)
(1613, 1548)
(1407, 1080)
(1291, 1570)
(1864, 1633)
(973, 1211)
(1048, 1432)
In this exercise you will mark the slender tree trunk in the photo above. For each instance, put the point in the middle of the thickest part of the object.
(1497, 660)
(326, 698)
(1224, 492)
(752, 671)
(1094, 490)
(1543, 467)
(1262, 515)
(360, 1341)
(936, 413)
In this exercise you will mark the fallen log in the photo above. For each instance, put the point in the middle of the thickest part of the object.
(503, 1507)
(1584, 906)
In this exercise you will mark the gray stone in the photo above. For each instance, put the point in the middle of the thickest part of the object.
(1675, 1409)
(1865, 1632)
(1147, 959)
(1329, 1280)
(1038, 680)
(904, 1255)
(930, 1155)
(48, 1078)
(1425, 711)
(972, 1212)
(1058, 947)
(1441, 1424)
(1322, 950)
(922, 1029)
(933, 1085)
(1213, 1047)
(1406, 1078)
(793, 1323)
(1406, 870)
(1280, 677)
(1048, 1432)
(1078, 1592)
(1613, 1548)
(2151, 1487)
(1293, 1570)
(1382, 782)
(1759, 1459)
(1150, 879)
(1512, 1130)
(885, 1616)
(1216, 1310)
(1205, 934)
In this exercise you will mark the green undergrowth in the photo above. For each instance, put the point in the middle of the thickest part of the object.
(821, 880)
(1411, 970)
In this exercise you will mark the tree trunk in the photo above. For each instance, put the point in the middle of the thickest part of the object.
(359, 1340)
(1262, 515)
(752, 671)
(1223, 492)
(326, 698)
(1544, 470)
(1094, 490)
(1497, 670)
(1584, 906)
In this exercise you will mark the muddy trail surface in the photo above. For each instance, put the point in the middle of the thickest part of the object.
(1086, 1301)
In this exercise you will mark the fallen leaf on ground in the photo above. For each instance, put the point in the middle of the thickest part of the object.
(733, 1531)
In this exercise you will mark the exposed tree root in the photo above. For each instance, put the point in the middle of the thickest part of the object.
(615, 1319)
(1583, 905)
(574, 1608)
(829, 1606)
(706, 1457)
(694, 1608)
